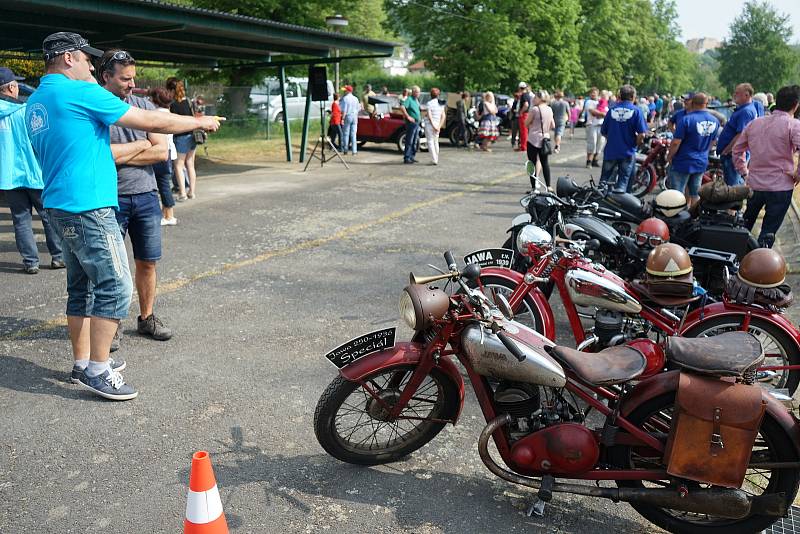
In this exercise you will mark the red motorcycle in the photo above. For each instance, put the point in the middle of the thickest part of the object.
(621, 311)
(736, 472)
(651, 166)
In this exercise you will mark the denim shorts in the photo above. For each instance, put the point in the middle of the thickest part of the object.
(98, 276)
(140, 216)
(184, 143)
(560, 129)
(685, 180)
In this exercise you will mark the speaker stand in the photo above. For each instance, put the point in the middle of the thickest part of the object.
(323, 140)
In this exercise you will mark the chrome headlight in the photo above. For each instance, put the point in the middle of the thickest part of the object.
(525, 201)
(532, 234)
(421, 305)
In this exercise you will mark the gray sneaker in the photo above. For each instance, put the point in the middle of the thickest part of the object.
(153, 327)
(117, 338)
(116, 365)
(109, 385)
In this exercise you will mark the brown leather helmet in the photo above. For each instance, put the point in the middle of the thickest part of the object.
(669, 261)
(762, 267)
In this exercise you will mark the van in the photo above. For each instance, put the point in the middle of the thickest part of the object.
(265, 99)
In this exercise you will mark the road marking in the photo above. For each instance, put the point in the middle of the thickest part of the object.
(175, 285)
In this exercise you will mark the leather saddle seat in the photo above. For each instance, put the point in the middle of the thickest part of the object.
(661, 300)
(614, 365)
(721, 206)
(728, 354)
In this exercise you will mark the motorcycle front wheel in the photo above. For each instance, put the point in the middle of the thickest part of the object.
(352, 426)
(772, 445)
(643, 181)
(527, 313)
(779, 348)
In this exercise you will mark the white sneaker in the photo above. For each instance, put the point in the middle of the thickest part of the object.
(172, 221)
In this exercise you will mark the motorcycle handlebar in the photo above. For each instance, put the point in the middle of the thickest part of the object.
(511, 346)
(451, 261)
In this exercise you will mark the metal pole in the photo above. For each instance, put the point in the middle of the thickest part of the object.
(287, 138)
(304, 138)
(336, 70)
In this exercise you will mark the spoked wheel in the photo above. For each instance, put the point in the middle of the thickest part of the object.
(779, 349)
(527, 313)
(355, 427)
(643, 181)
(772, 445)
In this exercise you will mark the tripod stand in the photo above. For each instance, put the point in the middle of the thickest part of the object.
(323, 140)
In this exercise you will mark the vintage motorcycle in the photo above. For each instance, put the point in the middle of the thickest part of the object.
(623, 311)
(729, 463)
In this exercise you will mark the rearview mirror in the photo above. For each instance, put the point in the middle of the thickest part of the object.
(471, 272)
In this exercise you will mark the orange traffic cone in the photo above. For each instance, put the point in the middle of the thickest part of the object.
(203, 505)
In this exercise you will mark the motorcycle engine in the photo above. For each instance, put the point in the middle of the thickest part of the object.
(608, 327)
(519, 400)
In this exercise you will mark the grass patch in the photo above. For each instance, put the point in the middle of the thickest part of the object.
(245, 141)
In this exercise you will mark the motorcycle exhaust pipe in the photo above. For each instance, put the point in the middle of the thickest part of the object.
(720, 502)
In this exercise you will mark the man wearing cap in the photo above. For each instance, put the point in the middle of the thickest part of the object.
(525, 103)
(139, 215)
(350, 108)
(68, 121)
(745, 114)
(21, 178)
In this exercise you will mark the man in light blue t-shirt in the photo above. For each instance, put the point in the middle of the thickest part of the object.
(688, 152)
(68, 121)
(744, 114)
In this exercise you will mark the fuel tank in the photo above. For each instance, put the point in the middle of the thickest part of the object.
(589, 289)
(489, 357)
(597, 229)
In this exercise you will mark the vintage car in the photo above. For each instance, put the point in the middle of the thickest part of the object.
(386, 124)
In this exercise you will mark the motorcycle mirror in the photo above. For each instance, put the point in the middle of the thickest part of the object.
(471, 272)
(530, 168)
(592, 244)
(503, 305)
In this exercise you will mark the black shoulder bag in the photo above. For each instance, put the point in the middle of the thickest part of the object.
(547, 147)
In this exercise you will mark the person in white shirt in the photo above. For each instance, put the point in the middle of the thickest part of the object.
(434, 122)
(350, 108)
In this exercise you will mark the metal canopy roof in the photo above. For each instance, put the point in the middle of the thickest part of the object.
(158, 31)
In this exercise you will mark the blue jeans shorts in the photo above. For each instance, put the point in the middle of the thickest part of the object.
(560, 129)
(140, 216)
(98, 276)
(690, 181)
(184, 143)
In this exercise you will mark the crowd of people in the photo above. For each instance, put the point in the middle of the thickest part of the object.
(95, 161)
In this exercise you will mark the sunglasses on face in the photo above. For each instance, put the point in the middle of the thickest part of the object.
(643, 239)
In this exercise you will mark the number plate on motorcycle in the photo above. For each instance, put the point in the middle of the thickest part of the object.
(491, 257)
(347, 353)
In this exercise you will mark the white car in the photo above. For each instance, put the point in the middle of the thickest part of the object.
(265, 99)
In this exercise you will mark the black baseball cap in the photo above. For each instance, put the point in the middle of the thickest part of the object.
(8, 76)
(62, 42)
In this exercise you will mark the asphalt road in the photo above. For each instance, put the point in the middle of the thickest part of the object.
(268, 269)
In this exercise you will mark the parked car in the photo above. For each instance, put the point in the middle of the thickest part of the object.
(386, 125)
(265, 99)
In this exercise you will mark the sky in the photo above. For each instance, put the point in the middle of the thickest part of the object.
(712, 18)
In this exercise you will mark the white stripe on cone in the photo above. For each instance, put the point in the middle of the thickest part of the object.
(203, 506)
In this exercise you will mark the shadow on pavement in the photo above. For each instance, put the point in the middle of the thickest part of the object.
(26, 376)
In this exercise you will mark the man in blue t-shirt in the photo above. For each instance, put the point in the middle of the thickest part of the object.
(623, 128)
(688, 152)
(68, 121)
(745, 113)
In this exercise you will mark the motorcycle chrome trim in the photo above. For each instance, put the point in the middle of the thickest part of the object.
(422, 280)
(720, 502)
(519, 220)
(588, 289)
(532, 235)
(489, 357)
(588, 342)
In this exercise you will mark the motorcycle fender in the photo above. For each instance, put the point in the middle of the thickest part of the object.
(543, 307)
(718, 309)
(406, 353)
(520, 220)
(665, 382)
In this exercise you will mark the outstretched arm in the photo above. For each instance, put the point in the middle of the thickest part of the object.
(159, 122)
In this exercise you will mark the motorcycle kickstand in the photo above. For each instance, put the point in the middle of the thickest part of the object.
(544, 496)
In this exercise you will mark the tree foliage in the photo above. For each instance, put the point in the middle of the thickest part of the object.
(758, 49)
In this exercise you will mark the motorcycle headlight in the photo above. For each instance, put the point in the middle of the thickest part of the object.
(421, 305)
(532, 234)
(525, 201)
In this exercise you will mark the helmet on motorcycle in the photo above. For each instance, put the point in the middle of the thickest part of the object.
(669, 261)
(670, 202)
(762, 267)
(651, 232)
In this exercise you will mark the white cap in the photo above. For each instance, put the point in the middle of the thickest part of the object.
(523, 85)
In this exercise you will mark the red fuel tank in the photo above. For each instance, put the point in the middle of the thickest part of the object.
(565, 448)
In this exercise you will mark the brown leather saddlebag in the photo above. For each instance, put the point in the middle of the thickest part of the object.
(714, 426)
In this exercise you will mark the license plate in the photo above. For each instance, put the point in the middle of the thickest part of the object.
(360, 346)
(491, 257)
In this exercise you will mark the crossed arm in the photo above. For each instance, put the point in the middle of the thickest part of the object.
(148, 151)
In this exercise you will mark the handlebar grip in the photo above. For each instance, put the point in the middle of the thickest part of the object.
(451, 261)
(511, 346)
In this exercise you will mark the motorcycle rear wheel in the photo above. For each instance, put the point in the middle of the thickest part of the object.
(354, 428)
(772, 444)
(773, 340)
(644, 180)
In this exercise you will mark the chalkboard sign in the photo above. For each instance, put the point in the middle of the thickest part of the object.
(358, 347)
(491, 257)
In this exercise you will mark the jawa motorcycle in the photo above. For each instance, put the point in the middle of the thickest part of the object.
(623, 311)
(700, 449)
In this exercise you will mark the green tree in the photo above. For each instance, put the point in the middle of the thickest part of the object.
(758, 49)
(705, 77)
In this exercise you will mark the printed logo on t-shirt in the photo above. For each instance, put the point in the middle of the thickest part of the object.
(621, 114)
(37, 119)
(706, 128)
